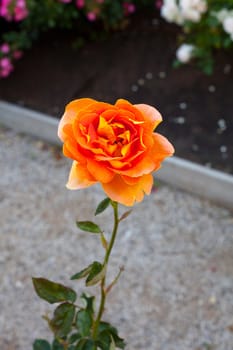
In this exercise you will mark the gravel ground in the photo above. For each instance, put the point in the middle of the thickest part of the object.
(176, 292)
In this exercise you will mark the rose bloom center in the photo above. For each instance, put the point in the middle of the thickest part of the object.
(110, 135)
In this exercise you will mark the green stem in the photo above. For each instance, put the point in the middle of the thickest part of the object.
(106, 259)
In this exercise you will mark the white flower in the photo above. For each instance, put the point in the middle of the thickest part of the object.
(178, 11)
(193, 9)
(222, 14)
(198, 5)
(191, 14)
(184, 53)
(171, 12)
(228, 24)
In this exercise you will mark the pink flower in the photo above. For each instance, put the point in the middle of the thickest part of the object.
(5, 62)
(6, 67)
(80, 4)
(17, 54)
(5, 73)
(20, 10)
(129, 8)
(20, 14)
(4, 9)
(65, 1)
(5, 48)
(91, 16)
(13, 10)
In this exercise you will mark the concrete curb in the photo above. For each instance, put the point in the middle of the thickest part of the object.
(28, 121)
(210, 184)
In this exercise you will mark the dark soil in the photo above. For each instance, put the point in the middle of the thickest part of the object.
(135, 64)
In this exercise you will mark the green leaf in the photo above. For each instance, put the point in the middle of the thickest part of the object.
(89, 303)
(84, 322)
(71, 347)
(74, 337)
(176, 64)
(227, 42)
(62, 320)
(107, 332)
(86, 344)
(88, 226)
(96, 274)
(82, 273)
(57, 345)
(102, 206)
(41, 344)
(104, 341)
(105, 326)
(80, 344)
(90, 345)
(53, 292)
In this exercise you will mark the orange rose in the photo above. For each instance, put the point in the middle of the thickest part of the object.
(114, 145)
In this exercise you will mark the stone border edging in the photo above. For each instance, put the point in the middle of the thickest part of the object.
(208, 183)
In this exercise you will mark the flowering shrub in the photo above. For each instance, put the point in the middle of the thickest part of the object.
(16, 11)
(23, 21)
(207, 25)
(115, 145)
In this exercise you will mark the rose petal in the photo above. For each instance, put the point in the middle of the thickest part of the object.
(79, 177)
(142, 166)
(162, 148)
(151, 114)
(130, 180)
(126, 105)
(99, 172)
(71, 150)
(151, 159)
(100, 107)
(118, 190)
(70, 112)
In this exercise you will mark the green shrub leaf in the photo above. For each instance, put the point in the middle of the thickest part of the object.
(89, 303)
(96, 274)
(104, 342)
(84, 322)
(53, 292)
(102, 206)
(108, 333)
(41, 344)
(74, 337)
(82, 273)
(88, 226)
(86, 344)
(57, 345)
(62, 320)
